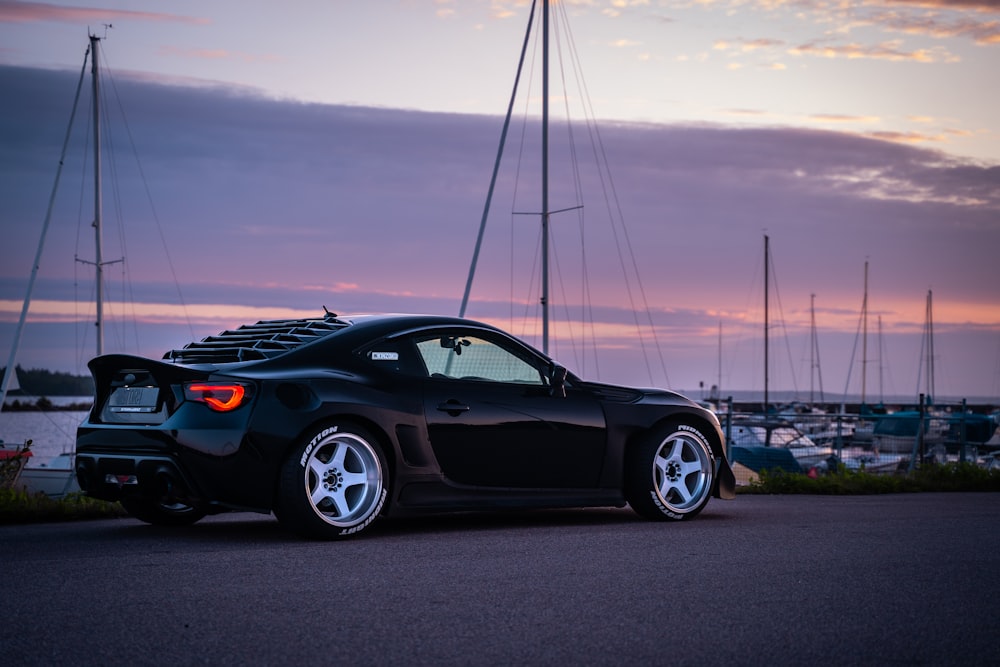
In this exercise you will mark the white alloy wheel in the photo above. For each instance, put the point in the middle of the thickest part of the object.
(669, 474)
(343, 478)
(333, 485)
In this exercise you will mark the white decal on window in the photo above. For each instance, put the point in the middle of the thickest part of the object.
(385, 356)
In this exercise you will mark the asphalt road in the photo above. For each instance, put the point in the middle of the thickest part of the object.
(774, 580)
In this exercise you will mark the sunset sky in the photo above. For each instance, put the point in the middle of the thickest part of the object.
(307, 153)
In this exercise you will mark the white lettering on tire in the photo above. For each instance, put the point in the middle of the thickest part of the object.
(371, 517)
(315, 441)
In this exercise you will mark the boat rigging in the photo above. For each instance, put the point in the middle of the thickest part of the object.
(636, 300)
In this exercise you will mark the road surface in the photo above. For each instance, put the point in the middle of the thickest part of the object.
(762, 580)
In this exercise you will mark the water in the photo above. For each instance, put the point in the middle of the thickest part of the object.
(52, 433)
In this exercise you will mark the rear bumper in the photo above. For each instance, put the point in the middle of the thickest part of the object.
(112, 476)
(208, 467)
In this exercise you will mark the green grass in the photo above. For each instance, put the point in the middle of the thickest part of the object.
(947, 477)
(17, 506)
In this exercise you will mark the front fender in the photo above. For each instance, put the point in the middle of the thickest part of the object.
(725, 480)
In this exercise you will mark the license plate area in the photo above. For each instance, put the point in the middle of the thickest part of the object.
(134, 400)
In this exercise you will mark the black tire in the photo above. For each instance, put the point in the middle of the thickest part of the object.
(669, 474)
(334, 484)
(160, 513)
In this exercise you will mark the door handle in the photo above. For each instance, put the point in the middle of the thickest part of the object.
(453, 407)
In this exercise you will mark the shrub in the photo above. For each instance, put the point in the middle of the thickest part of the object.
(945, 477)
(19, 506)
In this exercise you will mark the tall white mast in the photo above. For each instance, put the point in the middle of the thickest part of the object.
(929, 336)
(98, 258)
(545, 177)
(864, 341)
(767, 351)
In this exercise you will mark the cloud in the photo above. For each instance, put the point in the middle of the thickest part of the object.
(979, 31)
(217, 54)
(843, 118)
(746, 45)
(906, 137)
(890, 50)
(745, 112)
(985, 6)
(975, 20)
(270, 204)
(31, 12)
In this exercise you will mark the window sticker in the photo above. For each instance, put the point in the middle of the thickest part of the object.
(385, 356)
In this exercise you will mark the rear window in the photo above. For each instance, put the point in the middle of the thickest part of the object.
(264, 340)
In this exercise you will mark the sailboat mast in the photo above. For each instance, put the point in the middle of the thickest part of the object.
(812, 346)
(99, 260)
(767, 352)
(930, 346)
(545, 177)
(864, 341)
(881, 364)
(719, 383)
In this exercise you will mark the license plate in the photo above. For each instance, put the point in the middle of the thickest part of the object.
(134, 399)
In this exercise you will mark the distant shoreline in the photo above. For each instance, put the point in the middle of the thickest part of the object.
(46, 404)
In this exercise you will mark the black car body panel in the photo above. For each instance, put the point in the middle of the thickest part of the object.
(450, 441)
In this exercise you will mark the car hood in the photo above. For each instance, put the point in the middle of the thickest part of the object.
(617, 393)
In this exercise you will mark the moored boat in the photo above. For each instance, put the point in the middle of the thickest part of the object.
(769, 432)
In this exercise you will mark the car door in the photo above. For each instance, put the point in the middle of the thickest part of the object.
(493, 419)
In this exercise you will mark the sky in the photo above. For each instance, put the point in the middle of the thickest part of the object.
(277, 158)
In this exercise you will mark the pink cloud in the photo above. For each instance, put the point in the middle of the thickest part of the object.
(31, 12)
(986, 6)
(216, 54)
(377, 210)
(981, 32)
(891, 51)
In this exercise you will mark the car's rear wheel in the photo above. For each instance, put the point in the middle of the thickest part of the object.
(669, 473)
(334, 484)
(161, 512)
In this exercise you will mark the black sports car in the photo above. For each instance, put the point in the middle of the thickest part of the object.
(334, 421)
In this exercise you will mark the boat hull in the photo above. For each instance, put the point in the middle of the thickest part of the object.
(55, 478)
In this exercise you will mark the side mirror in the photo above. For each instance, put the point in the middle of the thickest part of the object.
(557, 380)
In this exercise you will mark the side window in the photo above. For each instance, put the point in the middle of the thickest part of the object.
(473, 358)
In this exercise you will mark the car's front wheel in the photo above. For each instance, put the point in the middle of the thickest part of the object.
(669, 473)
(334, 484)
(161, 512)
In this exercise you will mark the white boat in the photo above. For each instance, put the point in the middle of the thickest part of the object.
(857, 459)
(55, 477)
(900, 432)
(780, 434)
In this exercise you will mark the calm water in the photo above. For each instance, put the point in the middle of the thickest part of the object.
(52, 433)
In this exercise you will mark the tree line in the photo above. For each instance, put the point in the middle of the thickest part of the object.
(41, 382)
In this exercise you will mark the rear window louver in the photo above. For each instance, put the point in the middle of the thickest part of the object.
(252, 342)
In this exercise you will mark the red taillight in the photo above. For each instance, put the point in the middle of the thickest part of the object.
(219, 397)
